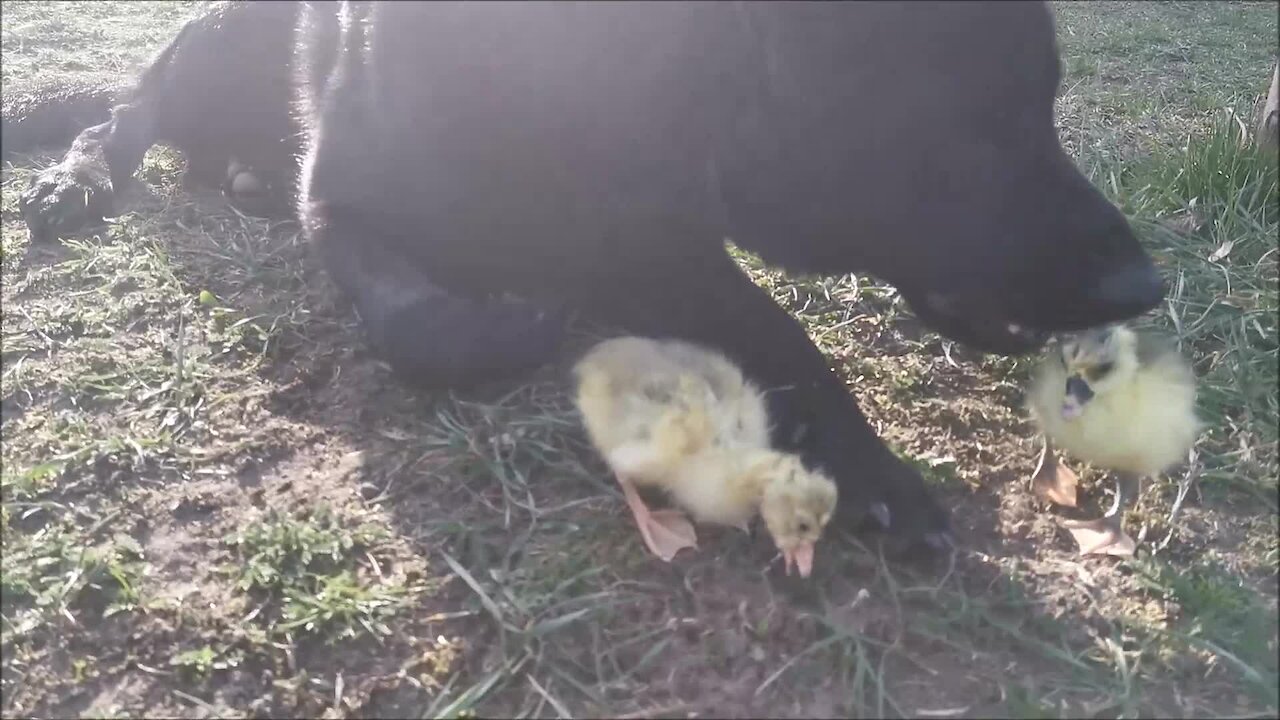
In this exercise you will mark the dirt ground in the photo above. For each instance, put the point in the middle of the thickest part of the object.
(217, 502)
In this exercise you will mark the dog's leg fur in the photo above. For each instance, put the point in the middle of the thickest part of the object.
(428, 335)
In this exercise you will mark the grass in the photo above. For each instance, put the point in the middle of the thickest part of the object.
(1219, 616)
(54, 572)
(309, 567)
(1224, 299)
(214, 501)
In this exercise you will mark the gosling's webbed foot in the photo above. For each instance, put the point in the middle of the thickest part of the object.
(665, 532)
(1103, 536)
(669, 532)
(1053, 481)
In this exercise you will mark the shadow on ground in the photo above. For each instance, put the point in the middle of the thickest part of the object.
(532, 591)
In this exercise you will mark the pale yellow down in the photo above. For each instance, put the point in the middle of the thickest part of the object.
(669, 414)
(1141, 419)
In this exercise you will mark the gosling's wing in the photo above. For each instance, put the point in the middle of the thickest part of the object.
(638, 459)
(637, 366)
(599, 404)
(622, 390)
(744, 420)
(735, 405)
(709, 365)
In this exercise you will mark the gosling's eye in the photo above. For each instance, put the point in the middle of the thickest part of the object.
(1101, 370)
(803, 527)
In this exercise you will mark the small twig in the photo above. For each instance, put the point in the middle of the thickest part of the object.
(653, 712)
(1184, 488)
(830, 640)
(193, 699)
(373, 562)
(102, 522)
(180, 352)
(471, 582)
(34, 326)
(942, 712)
(560, 708)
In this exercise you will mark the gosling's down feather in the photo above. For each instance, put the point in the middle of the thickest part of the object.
(1140, 417)
(647, 403)
(672, 415)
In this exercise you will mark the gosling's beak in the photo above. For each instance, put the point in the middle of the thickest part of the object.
(801, 556)
(1078, 393)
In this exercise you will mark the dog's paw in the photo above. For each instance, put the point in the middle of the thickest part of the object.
(890, 497)
(66, 198)
(917, 521)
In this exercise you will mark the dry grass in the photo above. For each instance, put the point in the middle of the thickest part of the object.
(215, 502)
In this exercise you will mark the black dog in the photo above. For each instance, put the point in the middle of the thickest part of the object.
(594, 156)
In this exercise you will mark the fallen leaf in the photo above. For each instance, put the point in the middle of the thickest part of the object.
(1222, 251)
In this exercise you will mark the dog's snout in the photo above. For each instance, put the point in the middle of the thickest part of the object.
(1128, 290)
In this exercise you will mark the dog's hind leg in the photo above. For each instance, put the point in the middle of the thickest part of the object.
(428, 335)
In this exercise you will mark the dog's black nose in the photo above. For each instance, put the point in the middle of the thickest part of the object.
(1128, 290)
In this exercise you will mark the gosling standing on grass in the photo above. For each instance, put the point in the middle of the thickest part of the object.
(1116, 399)
(672, 415)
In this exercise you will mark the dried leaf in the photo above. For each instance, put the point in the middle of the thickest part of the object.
(1223, 250)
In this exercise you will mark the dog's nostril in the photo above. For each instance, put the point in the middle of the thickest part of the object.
(1130, 289)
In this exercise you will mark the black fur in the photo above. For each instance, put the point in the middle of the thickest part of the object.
(593, 156)
(51, 114)
(220, 89)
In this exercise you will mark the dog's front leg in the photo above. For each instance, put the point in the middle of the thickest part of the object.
(711, 302)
